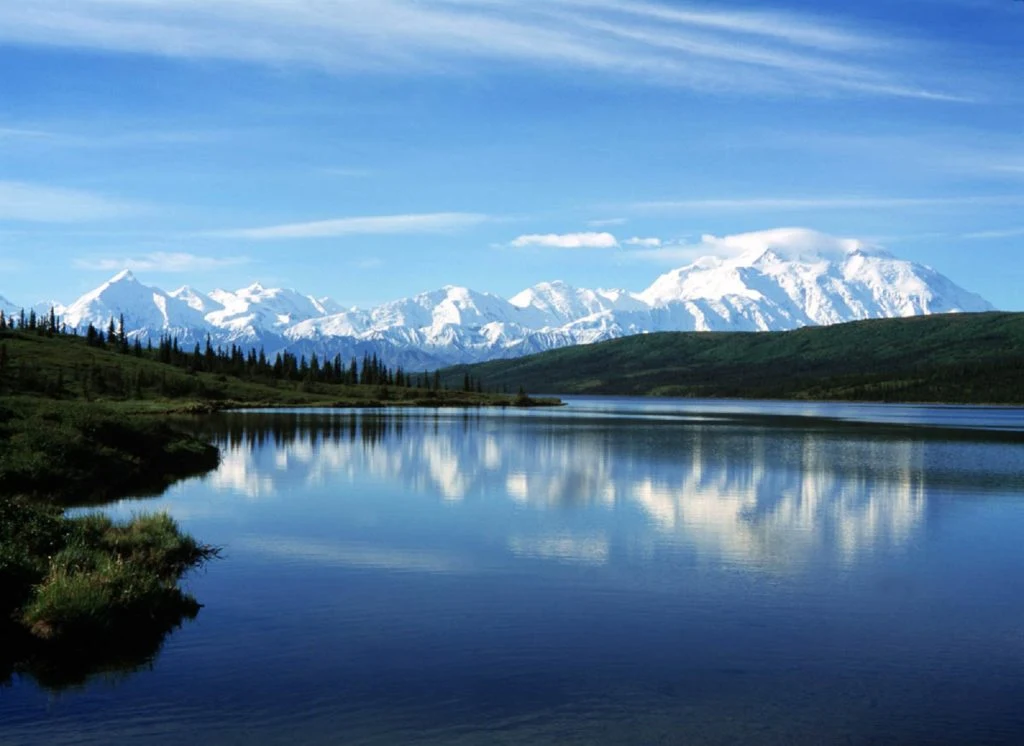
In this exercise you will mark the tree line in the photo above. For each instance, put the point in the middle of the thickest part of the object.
(236, 360)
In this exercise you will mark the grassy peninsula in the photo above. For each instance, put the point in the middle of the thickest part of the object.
(956, 358)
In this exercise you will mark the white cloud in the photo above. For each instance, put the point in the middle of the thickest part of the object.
(12, 133)
(568, 241)
(160, 262)
(657, 42)
(441, 222)
(1007, 233)
(789, 243)
(607, 222)
(650, 243)
(36, 203)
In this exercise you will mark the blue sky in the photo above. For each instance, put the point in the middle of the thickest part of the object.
(372, 149)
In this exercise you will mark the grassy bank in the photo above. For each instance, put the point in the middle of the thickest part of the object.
(955, 358)
(83, 422)
(77, 453)
(67, 368)
(82, 589)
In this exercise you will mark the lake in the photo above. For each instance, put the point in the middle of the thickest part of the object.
(615, 571)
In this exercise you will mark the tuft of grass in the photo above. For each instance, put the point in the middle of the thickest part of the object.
(90, 579)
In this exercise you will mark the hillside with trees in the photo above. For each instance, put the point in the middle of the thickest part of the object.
(40, 358)
(956, 358)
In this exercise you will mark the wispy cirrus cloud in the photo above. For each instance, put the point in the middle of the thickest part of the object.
(607, 222)
(440, 222)
(128, 135)
(696, 46)
(1014, 168)
(566, 241)
(783, 204)
(993, 234)
(649, 243)
(39, 203)
(160, 262)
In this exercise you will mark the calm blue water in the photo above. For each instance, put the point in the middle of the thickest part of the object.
(617, 571)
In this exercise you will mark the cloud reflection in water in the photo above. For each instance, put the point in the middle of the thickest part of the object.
(760, 496)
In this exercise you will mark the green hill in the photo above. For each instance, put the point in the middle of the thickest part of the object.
(967, 358)
(41, 366)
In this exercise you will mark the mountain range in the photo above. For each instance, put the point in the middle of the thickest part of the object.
(770, 281)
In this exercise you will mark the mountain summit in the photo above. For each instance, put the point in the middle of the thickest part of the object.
(765, 281)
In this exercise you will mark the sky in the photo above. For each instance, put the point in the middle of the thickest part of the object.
(368, 150)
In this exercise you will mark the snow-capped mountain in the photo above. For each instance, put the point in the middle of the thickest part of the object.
(249, 314)
(771, 280)
(9, 309)
(147, 311)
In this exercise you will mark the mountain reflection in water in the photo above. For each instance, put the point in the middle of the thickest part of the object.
(761, 496)
(614, 572)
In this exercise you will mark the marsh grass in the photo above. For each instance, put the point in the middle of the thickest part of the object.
(90, 580)
(78, 453)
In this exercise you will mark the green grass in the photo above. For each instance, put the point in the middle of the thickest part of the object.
(964, 358)
(82, 424)
(65, 368)
(78, 453)
(84, 585)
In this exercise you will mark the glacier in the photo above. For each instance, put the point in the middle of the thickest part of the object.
(765, 281)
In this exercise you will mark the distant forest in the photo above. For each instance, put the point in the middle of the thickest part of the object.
(955, 358)
(30, 373)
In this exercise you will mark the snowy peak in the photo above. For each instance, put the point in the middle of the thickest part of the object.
(196, 300)
(143, 308)
(256, 310)
(796, 276)
(8, 308)
(125, 275)
(451, 305)
(782, 245)
(769, 280)
(559, 303)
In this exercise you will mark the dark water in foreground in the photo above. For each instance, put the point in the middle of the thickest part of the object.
(610, 573)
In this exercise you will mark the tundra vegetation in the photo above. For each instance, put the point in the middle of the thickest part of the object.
(88, 418)
(968, 358)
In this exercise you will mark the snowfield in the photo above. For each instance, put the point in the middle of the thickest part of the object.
(767, 281)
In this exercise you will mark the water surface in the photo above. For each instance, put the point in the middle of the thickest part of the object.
(618, 571)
